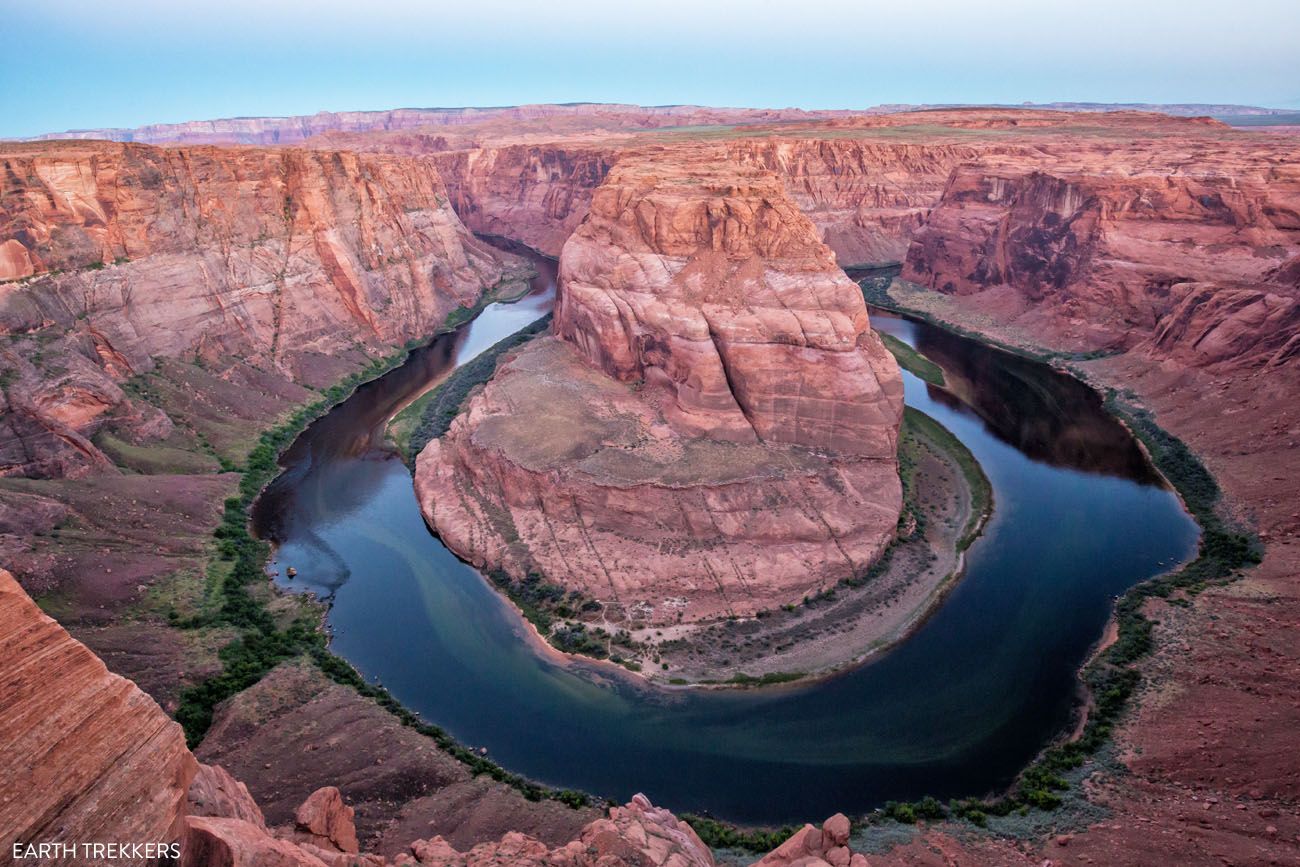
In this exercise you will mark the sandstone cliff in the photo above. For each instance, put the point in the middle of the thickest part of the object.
(1106, 254)
(713, 429)
(88, 758)
(867, 198)
(301, 261)
(535, 194)
(85, 756)
(866, 181)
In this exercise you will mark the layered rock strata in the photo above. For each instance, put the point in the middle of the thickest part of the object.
(86, 756)
(299, 261)
(534, 194)
(867, 198)
(711, 430)
(298, 128)
(1104, 256)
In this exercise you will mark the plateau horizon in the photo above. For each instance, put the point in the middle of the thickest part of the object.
(151, 61)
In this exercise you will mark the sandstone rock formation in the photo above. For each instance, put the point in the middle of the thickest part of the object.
(713, 429)
(635, 834)
(294, 260)
(1103, 253)
(214, 792)
(87, 757)
(1213, 325)
(213, 842)
(867, 182)
(867, 198)
(827, 846)
(324, 820)
(534, 194)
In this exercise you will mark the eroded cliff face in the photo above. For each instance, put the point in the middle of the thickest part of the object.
(302, 262)
(711, 431)
(703, 280)
(534, 194)
(1105, 257)
(867, 198)
(87, 757)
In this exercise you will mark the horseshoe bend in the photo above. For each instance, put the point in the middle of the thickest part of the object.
(711, 431)
(609, 485)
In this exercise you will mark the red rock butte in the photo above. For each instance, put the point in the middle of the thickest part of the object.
(712, 428)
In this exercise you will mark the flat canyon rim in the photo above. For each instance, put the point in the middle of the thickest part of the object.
(955, 710)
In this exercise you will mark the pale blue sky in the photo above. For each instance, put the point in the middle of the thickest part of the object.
(96, 63)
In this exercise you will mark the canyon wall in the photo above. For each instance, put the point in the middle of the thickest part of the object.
(711, 431)
(303, 262)
(867, 198)
(534, 194)
(867, 182)
(1105, 255)
(90, 759)
(87, 757)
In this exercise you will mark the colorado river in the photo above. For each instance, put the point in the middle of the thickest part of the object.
(955, 710)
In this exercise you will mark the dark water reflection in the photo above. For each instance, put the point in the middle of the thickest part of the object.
(1048, 415)
(954, 710)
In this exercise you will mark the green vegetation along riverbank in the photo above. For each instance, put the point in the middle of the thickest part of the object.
(912, 361)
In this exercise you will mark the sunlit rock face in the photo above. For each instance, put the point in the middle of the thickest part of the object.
(87, 756)
(711, 430)
(1106, 251)
(300, 262)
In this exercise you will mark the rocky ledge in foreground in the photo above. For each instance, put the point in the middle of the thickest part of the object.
(88, 758)
(711, 431)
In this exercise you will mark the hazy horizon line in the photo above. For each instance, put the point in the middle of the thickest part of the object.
(883, 107)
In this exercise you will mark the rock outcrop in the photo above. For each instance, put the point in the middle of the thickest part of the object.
(827, 846)
(299, 261)
(1241, 326)
(87, 757)
(637, 834)
(712, 431)
(1106, 254)
(214, 792)
(325, 821)
(534, 194)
